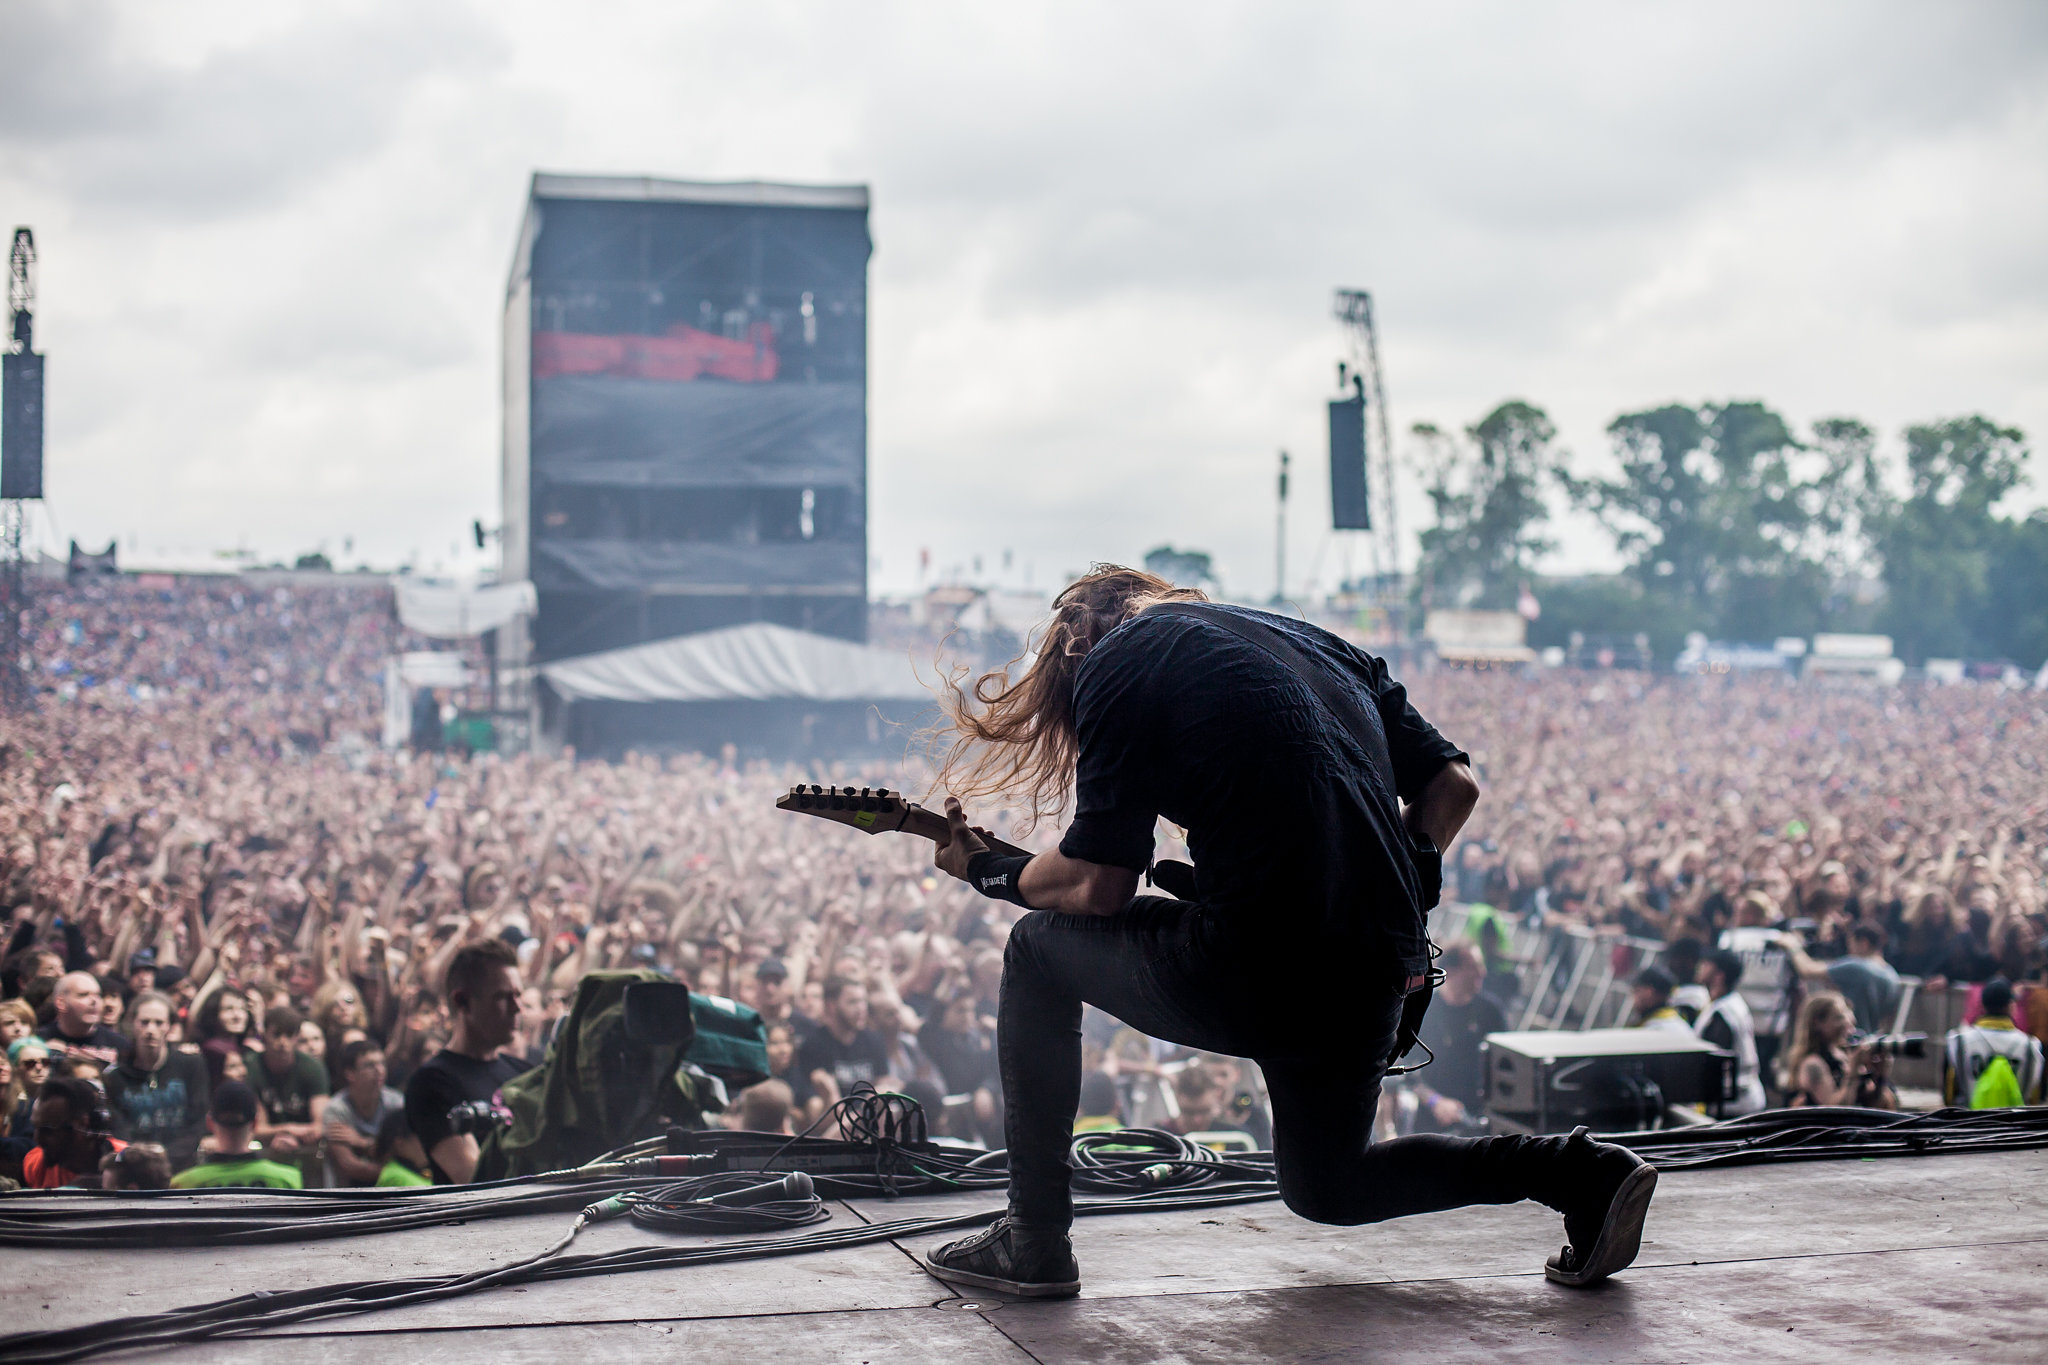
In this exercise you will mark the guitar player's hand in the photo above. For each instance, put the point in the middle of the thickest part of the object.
(961, 843)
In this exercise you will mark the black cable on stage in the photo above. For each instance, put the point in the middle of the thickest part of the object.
(251, 1313)
(1823, 1134)
(1142, 1170)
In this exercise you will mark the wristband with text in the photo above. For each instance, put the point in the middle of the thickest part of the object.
(996, 875)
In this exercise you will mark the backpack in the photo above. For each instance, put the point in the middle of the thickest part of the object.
(1997, 1087)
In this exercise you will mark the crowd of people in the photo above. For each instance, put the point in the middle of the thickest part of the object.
(232, 916)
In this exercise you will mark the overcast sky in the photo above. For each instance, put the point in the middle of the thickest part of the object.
(275, 239)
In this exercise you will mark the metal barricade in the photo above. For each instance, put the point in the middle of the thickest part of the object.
(1580, 979)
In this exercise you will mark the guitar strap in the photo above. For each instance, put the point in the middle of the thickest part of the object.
(1342, 704)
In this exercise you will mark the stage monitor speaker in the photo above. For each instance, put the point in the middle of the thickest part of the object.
(1613, 1079)
(21, 425)
(1349, 509)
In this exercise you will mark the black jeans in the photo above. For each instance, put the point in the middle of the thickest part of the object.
(1167, 969)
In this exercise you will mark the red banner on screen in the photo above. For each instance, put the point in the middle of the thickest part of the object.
(682, 354)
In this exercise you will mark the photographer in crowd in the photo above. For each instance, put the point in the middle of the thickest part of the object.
(442, 1098)
(1827, 1066)
(73, 1134)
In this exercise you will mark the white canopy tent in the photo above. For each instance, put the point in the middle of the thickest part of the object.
(757, 662)
(456, 611)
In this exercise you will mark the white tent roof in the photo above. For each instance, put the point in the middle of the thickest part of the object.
(755, 662)
(457, 611)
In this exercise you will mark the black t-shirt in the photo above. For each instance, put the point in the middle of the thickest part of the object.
(1295, 827)
(445, 1080)
(104, 1045)
(1454, 1033)
(965, 1060)
(866, 1058)
(287, 1098)
(167, 1105)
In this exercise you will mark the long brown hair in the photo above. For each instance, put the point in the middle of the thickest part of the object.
(1015, 739)
(1806, 1039)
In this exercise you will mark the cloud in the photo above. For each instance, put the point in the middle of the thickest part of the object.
(276, 238)
(243, 129)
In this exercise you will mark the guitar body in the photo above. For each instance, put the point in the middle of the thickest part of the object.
(875, 811)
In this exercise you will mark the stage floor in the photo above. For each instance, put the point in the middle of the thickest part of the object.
(1933, 1258)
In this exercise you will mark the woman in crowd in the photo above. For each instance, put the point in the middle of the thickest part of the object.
(1823, 1069)
(30, 1061)
(226, 1029)
(17, 1021)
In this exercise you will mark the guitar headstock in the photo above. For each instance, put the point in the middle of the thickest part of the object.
(869, 809)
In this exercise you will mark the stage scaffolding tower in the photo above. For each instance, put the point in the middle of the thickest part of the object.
(1354, 309)
(21, 469)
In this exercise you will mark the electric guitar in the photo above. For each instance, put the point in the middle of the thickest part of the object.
(874, 811)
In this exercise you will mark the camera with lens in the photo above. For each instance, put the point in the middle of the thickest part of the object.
(1892, 1044)
(480, 1117)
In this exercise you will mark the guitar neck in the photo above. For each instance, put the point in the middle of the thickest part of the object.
(932, 826)
(879, 811)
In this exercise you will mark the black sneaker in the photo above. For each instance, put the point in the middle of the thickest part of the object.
(1033, 1263)
(1604, 1196)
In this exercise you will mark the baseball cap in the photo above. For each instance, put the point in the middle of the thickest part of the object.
(770, 969)
(141, 958)
(234, 1105)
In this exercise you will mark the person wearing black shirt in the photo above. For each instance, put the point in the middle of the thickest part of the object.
(159, 1094)
(76, 1026)
(1459, 1018)
(483, 992)
(843, 1051)
(1316, 802)
(291, 1086)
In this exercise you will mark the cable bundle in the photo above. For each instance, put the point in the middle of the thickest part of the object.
(1140, 1170)
(1824, 1134)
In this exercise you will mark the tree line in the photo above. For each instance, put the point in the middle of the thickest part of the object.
(1731, 522)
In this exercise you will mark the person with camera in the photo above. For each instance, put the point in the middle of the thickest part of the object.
(1829, 1065)
(73, 1132)
(453, 1100)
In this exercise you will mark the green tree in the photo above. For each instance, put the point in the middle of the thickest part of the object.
(1184, 568)
(1487, 494)
(1717, 518)
(2015, 620)
(1939, 542)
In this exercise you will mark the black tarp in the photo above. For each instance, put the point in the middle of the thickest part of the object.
(600, 430)
(833, 564)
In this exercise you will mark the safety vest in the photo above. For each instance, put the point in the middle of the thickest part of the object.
(1665, 1019)
(1968, 1050)
(1749, 1086)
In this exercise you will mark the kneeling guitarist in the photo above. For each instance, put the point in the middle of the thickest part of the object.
(1317, 803)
